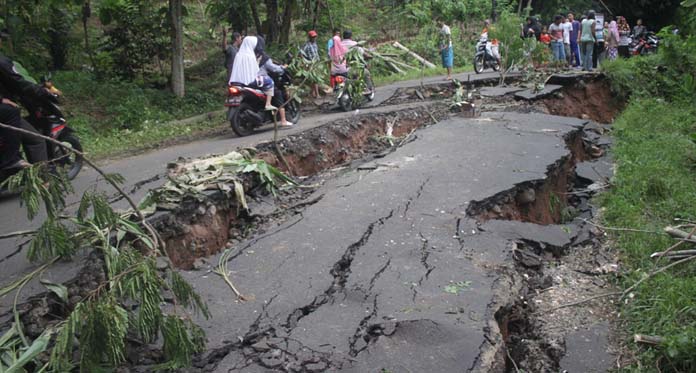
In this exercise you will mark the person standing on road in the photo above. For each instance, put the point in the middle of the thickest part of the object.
(624, 38)
(310, 54)
(639, 30)
(574, 35)
(598, 53)
(612, 41)
(557, 47)
(567, 29)
(230, 50)
(446, 49)
(587, 40)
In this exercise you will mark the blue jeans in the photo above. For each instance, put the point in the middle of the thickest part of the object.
(558, 50)
(587, 49)
(575, 51)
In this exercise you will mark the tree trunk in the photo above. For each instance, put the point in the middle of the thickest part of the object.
(287, 22)
(271, 21)
(519, 8)
(86, 14)
(177, 47)
(315, 16)
(494, 13)
(255, 15)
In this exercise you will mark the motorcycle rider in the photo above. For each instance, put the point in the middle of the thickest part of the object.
(274, 96)
(349, 44)
(14, 85)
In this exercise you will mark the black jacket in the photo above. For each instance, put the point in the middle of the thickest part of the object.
(13, 85)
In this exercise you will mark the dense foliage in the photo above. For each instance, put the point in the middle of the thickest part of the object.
(656, 156)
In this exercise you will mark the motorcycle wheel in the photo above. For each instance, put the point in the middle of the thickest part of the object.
(64, 158)
(239, 126)
(496, 66)
(292, 111)
(371, 87)
(478, 64)
(345, 102)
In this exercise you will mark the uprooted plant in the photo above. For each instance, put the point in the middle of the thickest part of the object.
(127, 304)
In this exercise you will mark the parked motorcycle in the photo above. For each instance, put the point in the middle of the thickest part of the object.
(47, 118)
(484, 58)
(247, 104)
(647, 44)
(344, 97)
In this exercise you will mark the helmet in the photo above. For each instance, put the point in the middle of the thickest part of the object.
(312, 34)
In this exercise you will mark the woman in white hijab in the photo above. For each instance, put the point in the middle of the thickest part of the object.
(245, 67)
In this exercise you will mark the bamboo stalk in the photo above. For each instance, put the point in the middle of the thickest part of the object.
(414, 55)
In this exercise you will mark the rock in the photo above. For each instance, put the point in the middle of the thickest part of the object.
(526, 196)
(585, 116)
(261, 346)
(75, 299)
(316, 367)
(198, 264)
(271, 359)
(497, 210)
(162, 263)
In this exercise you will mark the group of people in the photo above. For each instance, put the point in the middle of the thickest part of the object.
(337, 47)
(247, 63)
(583, 44)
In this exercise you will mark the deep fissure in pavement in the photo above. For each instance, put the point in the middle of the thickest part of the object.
(543, 201)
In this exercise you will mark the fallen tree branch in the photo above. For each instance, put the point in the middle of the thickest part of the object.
(681, 242)
(414, 55)
(16, 234)
(652, 340)
(222, 271)
(585, 300)
(678, 233)
(672, 254)
(656, 272)
(113, 183)
(618, 229)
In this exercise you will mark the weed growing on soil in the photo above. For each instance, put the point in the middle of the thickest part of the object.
(653, 185)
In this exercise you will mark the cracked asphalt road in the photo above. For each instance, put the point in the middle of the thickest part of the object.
(141, 171)
(386, 270)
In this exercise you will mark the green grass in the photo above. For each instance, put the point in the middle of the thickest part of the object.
(113, 117)
(416, 74)
(654, 184)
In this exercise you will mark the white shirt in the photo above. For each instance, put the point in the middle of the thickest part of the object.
(446, 34)
(567, 28)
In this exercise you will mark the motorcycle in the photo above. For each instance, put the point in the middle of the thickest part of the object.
(484, 58)
(647, 44)
(344, 97)
(47, 118)
(247, 104)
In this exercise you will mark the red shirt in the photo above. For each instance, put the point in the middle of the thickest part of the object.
(545, 38)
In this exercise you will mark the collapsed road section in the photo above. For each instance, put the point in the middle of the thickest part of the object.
(387, 270)
(409, 247)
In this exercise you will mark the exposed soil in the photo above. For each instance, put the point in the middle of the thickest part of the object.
(325, 147)
(586, 99)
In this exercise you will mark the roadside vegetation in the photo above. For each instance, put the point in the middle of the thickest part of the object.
(654, 188)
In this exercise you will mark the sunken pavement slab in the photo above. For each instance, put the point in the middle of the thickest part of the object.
(387, 271)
